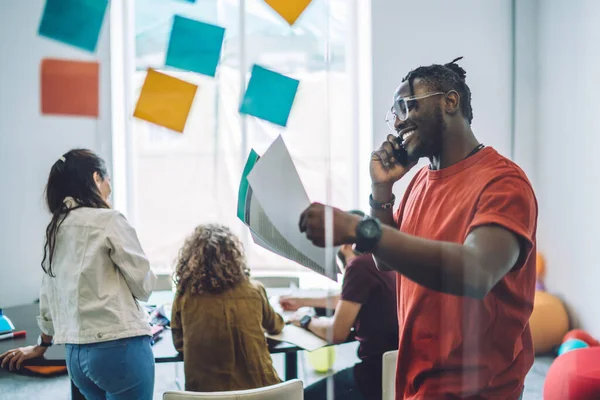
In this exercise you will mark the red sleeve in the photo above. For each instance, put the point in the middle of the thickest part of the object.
(358, 282)
(509, 202)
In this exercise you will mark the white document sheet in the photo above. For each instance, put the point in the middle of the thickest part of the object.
(299, 337)
(266, 235)
(277, 187)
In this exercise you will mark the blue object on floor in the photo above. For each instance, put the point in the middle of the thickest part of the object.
(571, 344)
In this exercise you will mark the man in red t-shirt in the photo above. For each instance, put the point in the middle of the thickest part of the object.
(463, 241)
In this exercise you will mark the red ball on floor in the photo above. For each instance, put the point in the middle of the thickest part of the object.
(574, 376)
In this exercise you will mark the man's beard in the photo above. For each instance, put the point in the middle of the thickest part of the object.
(432, 134)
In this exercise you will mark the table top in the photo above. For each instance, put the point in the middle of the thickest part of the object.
(25, 318)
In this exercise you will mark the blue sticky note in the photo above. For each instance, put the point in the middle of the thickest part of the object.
(195, 46)
(269, 96)
(74, 22)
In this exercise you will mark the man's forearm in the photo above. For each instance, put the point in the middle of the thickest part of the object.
(321, 327)
(441, 266)
(383, 194)
(329, 302)
(324, 328)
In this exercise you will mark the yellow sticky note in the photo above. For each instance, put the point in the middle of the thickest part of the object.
(165, 100)
(290, 10)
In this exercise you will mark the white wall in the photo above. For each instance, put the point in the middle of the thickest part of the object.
(407, 34)
(525, 106)
(568, 143)
(30, 143)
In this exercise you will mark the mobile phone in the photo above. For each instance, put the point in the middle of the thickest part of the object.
(401, 155)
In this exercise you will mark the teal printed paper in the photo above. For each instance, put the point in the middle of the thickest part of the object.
(245, 191)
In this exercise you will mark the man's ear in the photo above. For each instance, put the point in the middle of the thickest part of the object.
(452, 102)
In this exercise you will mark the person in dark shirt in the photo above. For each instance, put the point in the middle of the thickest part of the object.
(367, 303)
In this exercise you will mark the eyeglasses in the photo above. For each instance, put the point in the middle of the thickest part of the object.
(402, 106)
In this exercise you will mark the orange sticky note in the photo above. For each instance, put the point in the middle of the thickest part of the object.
(165, 100)
(69, 87)
(290, 10)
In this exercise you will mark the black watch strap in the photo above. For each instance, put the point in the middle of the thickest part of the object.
(41, 342)
(382, 206)
(368, 234)
(305, 321)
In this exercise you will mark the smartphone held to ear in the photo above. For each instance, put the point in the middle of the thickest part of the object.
(401, 155)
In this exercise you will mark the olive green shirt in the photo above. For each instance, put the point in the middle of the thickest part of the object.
(222, 338)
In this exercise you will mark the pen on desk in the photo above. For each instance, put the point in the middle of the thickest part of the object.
(12, 335)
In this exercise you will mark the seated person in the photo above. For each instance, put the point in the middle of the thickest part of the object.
(367, 303)
(219, 315)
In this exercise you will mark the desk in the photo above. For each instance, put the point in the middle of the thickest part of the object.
(24, 318)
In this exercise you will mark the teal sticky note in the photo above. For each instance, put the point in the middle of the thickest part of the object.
(74, 22)
(269, 96)
(195, 46)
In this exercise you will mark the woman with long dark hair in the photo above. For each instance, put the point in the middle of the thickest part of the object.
(95, 271)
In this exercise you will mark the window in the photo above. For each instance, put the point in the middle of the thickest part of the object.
(182, 180)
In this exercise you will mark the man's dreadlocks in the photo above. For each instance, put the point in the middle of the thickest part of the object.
(444, 78)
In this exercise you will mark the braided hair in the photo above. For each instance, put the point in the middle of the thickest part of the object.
(444, 78)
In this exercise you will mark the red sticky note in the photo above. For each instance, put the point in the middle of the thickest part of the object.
(69, 87)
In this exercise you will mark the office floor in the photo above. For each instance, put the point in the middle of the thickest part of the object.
(17, 387)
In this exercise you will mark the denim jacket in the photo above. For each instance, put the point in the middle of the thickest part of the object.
(100, 273)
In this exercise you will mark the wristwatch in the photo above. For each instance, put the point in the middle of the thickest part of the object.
(41, 343)
(305, 321)
(368, 234)
(382, 206)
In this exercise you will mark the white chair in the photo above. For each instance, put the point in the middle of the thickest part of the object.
(388, 376)
(289, 390)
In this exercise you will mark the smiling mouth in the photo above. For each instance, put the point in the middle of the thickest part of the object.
(408, 135)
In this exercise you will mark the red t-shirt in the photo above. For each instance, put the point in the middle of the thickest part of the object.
(453, 347)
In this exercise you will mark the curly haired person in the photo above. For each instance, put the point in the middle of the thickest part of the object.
(219, 315)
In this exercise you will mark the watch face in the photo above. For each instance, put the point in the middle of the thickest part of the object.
(305, 320)
(370, 229)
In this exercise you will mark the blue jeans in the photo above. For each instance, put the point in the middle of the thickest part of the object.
(114, 370)
(344, 387)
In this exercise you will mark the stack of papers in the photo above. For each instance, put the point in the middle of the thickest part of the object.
(299, 337)
(270, 201)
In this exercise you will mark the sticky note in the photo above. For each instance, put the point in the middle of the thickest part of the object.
(195, 46)
(269, 96)
(290, 10)
(69, 87)
(165, 100)
(74, 22)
